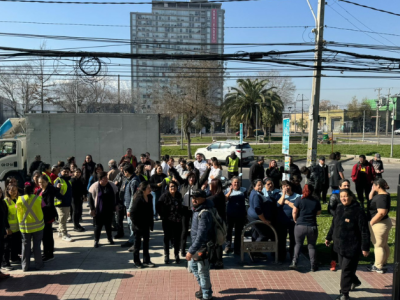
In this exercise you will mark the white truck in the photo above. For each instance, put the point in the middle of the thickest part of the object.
(55, 137)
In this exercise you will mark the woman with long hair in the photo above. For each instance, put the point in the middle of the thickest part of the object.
(169, 208)
(305, 213)
(95, 175)
(141, 214)
(216, 170)
(218, 198)
(274, 173)
(35, 180)
(350, 235)
(379, 224)
(88, 168)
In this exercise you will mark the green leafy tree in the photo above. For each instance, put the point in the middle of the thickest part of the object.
(240, 104)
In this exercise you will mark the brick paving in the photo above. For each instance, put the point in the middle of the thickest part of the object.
(81, 272)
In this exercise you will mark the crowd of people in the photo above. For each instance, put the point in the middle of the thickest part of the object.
(196, 193)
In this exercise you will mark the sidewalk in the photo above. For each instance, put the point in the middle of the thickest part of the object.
(81, 272)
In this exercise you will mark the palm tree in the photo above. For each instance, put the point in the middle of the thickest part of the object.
(240, 104)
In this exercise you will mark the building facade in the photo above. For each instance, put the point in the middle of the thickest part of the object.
(172, 27)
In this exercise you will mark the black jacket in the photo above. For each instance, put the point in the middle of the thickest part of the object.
(34, 166)
(256, 172)
(184, 183)
(164, 205)
(325, 176)
(156, 179)
(220, 204)
(275, 174)
(349, 230)
(87, 172)
(141, 213)
(78, 189)
(49, 211)
(334, 202)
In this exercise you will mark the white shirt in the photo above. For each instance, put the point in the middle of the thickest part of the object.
(201, 166)
(217, 172)
(165, 167)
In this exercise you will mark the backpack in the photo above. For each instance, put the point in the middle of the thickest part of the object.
(219, 236)
(219, 227)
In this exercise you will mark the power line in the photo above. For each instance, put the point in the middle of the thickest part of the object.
(362, 31)
(370, 7)
(117, 25)
(116, 3)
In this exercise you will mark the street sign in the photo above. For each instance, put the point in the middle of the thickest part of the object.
(241, 133)
(285, 136)
(286, 175)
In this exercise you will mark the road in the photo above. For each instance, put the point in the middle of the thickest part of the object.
(382, 139)
(391, 174)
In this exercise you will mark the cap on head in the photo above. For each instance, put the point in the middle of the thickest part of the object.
(260, 158)
(377, 155)
(199, 194)
(322, 158)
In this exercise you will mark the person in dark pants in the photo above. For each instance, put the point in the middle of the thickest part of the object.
(363, 175)
(233, 163)
(141, 214)
(186, 188)
(13, 241)
(48, 193)
(325, 179)
(305, 213)
(169, 207)
(78, 192)
(235, 214)
(334, 202)
(350, 234)
(3, 233)
(335, 170)
(218, 198)
(103, 202)
(285, 223)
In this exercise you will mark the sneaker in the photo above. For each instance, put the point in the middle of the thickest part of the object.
(7, 268)
(69, 220)
(166, 259)
(373, 268)
(148, 264)
(131, 249)
(333, 265)
(314, 268)
(68, 235)
(355, 285)
(96, 244)
(66, 238)
(80, 229)
(177, 259)
(126, 245)
(183, 253)
(118, 236)
(199, 294)
(16, 262)
(227, 249)
(111, 242)
(46, 259)
(293, 265)
(139, 265)
(59, 234)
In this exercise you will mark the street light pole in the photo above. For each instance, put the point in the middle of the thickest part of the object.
(391, 142)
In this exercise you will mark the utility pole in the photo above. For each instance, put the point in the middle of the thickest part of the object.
(76, 96)
(387, 112)
(119, 92)
(302, 118)
(316, 87)
(377, 111)
(363, 126)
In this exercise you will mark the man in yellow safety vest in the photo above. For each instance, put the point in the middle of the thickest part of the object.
(63, 206)
(232, 161)
(31, 225)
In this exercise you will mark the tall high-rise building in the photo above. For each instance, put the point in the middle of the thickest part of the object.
(172, 27)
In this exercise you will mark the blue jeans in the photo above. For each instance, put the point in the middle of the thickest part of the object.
(131, 234)
(154, 205)
(201, 270)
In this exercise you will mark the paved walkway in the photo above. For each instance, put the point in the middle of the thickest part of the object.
(81, 272)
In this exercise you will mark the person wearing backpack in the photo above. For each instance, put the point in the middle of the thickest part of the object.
(203, 234)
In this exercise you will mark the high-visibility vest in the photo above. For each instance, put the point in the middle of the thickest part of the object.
(12, 216)
(63, 189)
(30, 214)
(167, 180)
(48, 177)
(233, 165)
(145, 177)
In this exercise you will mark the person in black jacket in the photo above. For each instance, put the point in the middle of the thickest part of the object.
(88, 167)
(257, 170)
(141, 214)
(186, 189)
(78, 192)
(218, 198)
(169, 207)
(325, 178)
(274, 173)
(48, 193)
(35, 164)
(350, 234)
(156, 183)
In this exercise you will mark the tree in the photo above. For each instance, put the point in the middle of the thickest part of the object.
(194, 91)
(17, 85)
(355, 110)
(240, 104)
(284, 86)
(302, 124)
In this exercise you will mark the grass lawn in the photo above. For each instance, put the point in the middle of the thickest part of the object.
(324, 223)
(299, 149)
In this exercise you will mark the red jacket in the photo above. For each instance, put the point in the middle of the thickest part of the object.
(369, 170)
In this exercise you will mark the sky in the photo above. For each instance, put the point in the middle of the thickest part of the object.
(247, 14)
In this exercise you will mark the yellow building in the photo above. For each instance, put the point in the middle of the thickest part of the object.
(330, 120)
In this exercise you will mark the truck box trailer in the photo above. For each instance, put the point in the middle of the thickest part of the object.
(55, 137)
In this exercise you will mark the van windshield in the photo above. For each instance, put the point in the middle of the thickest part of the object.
(8, 148)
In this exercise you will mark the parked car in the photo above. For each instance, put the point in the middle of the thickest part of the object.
(222, 149)
(397, 131)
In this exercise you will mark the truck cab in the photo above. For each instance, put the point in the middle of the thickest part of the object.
(13, 159)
